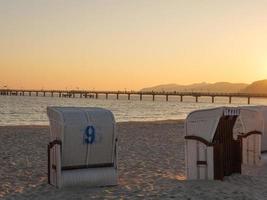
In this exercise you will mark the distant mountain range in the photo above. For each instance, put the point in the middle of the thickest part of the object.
(255, 87)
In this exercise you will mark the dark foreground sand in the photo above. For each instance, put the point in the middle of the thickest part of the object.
(151, 166)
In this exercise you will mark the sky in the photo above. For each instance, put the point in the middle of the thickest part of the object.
(126, 44)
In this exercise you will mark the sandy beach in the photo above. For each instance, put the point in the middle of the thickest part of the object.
(151, 166)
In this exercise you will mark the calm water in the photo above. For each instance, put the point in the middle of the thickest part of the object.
(18, 110)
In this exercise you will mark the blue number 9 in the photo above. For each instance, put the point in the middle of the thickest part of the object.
(89, 135)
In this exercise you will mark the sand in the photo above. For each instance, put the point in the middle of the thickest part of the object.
(151, 166)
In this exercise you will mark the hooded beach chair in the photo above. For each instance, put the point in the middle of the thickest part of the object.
(82, 148)
(263, 111)
(220, 140)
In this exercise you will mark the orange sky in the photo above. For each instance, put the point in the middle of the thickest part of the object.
(118, 44)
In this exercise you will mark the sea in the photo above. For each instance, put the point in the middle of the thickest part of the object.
(31, 110)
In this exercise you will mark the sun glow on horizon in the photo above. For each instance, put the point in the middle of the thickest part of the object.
(117, 45)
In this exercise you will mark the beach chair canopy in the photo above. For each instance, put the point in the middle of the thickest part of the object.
(203, 123)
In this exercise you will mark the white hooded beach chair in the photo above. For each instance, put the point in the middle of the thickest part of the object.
(82, 148)
(263, 111)
(220, 140)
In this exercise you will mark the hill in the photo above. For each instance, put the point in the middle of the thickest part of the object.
(256, 87)
(199, 87)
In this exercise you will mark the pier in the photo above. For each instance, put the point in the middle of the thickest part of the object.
(96, 94)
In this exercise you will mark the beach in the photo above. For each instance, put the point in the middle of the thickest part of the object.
(150, 166)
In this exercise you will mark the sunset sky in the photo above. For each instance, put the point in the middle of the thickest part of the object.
(118, 44)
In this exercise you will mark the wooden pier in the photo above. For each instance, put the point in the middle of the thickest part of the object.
(96, 94)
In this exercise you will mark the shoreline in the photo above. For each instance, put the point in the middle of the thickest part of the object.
(167, 121)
